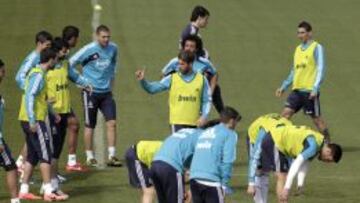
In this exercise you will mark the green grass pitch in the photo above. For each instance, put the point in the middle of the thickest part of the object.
(250, 42)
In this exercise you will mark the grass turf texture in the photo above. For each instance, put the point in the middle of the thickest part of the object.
(250, 42)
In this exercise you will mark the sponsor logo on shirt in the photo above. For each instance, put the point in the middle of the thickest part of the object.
(183, 98)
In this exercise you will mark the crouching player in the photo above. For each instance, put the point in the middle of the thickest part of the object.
(6, 159)
(58, 93)
(138, 161)
(284, 142)
(33, 111)
(259, 176)
(215, 153)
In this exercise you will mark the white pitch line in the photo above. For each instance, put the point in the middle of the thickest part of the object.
(99, 132)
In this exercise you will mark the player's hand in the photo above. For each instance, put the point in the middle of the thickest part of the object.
(140, 75)
(33, 127)
(251, 190)
(201, 122)
(279, 92)
(57, 118)
(313, 95)
(284, 196)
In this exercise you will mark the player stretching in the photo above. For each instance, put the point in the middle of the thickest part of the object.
(6, 159)
(189, 94)
(273, 148)
(306, 75)
(98, 60)
(215, 153)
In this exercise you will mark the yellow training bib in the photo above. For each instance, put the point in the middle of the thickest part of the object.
(40, 103)
(58, 88)
(304, 68)
(290, 139)
(146, 150)
(267, 122)
(185, 99)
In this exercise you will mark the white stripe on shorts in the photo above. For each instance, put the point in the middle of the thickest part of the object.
(85, 99)
(6, 158)
(180, 187)
(220, 194)
(140, 174)
(316, 107)
(41, 138)
(276, 159)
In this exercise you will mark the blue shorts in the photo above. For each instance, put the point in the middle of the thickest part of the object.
(38, 143)
(139, 173)
(202, 193)
(6, 160)
(168, 182)
(98, 101)
(271, 159)
(300, 100)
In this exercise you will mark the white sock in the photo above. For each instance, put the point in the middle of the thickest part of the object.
(24, 188)
(262, 187)
(48, 189)
(20, 161)
(111, 151)
(89, 154)
(15, 200)
(55, 183)
(72, 160)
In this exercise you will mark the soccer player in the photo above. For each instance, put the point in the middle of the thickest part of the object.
(199, 19)
(42, 40)
(169, 164)
(284, 142)
(138, 160)
(259, 182)
(70, 35)
(192, 43)
(215, 153)
(306, 75)
(6, 159)
(33, 111)
(189, 94)
(98, 60)
(58, 93)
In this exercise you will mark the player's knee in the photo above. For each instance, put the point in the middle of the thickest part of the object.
(111, 124)
(287, 113)
(74, 125)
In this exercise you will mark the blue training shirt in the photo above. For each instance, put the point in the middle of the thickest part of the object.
(320, 65)
(98, 65)
(177, 149)
(32, 60)
(36, 84)
(214, 155)
(165, 84)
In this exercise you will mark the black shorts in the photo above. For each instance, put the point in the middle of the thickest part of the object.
(98, 101)
(38, 143)
(300, 100)
(139, 173)
(6, 159)
(271, 159)
(58, 133)
(206, 194)
(168, 182)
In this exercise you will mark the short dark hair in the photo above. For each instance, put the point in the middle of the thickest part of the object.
(58, 43)
(229, 113)
(186, 56)
(69, 32)
(305, 25)
(2, 64)
(43, 36)
(336, 151)
(198, 11)
(193, 38)
(210, 123)
(47, 54)
(102, 28)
